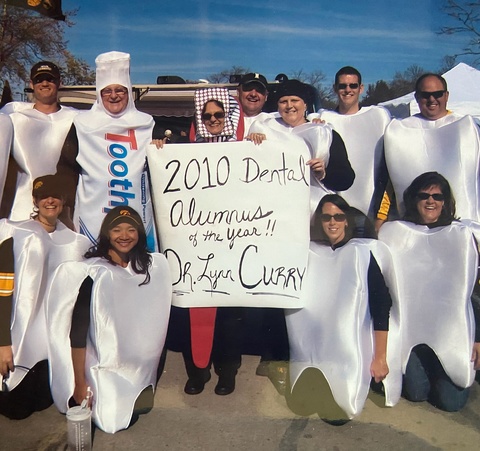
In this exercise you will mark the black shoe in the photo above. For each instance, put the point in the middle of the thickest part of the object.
(226, 385)
(195, 386)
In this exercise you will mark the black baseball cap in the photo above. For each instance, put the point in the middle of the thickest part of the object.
(252, 77)
(45, 68)
(50, 186)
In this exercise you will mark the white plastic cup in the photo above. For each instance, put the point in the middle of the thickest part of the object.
(79, 424)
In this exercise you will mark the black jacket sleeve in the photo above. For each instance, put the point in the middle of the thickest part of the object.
(379, 299)
(68, 167)
(339, 172)
(81, 315)
(6, 293)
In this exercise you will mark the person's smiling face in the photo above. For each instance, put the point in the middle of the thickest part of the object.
(213, 116)
(45, 89)
(49, 208)
(334, 222)
(114, 98)
(429, 207)
(348, 91)
(432, 98)
(123, 238)
(292, 110)
(252, 96)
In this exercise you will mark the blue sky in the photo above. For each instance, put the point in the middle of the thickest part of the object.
(194, 39)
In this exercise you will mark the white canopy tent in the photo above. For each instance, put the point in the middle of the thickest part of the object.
(463, 85)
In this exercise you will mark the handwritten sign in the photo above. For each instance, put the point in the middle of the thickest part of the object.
(233, 220)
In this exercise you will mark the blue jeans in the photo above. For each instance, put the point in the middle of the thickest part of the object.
(425, 379)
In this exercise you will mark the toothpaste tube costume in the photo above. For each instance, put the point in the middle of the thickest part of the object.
(109, 156)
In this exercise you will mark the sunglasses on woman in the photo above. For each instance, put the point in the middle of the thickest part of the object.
(436, 196)
(217, 115)
(338, 217)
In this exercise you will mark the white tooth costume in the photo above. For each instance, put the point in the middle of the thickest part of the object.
(37, 144)
(318, 138)
(36, 147)
(128, 326)
(450, 145)
(362, 133)
(334, 331)
(37, 254)
(112, 154)
(436, 271)
(6, 135)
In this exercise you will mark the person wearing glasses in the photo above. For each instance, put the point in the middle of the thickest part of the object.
(362, 129)
(40, 129)
(209, 335)
(252, 94)
(340, 335)
(435, 139)
(436, 269)
(105, 152)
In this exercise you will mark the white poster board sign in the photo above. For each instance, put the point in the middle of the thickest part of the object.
(233, 221)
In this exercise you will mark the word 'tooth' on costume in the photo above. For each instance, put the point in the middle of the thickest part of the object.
(107, 153)
(450, 145)
(436, 310)
(334, 332)
(128, 325)
(363, 133)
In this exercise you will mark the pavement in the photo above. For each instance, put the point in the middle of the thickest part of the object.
(257, 417)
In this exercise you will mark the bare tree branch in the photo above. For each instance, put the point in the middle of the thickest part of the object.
(468, 16)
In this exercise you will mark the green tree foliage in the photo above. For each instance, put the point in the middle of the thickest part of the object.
(27, 37)
(76, 71)
(377, 92)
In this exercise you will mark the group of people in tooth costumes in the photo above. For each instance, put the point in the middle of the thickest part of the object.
(362, 283)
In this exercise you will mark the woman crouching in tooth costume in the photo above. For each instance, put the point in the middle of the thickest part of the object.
(111, 318)
(342, 330)
(436, 260)
(34, 248)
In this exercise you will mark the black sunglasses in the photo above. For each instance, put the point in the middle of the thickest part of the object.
(339, 217)
(427, 94)
(217, 115)
(257, 86)
(350, 85)
(42, 78)
(436, 196)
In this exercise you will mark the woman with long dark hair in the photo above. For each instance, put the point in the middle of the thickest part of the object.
(346, 296)
(116, 318)
(436, 259)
